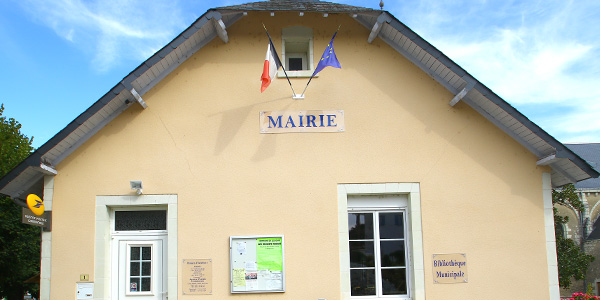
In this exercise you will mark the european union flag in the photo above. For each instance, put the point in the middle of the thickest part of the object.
(328, 59)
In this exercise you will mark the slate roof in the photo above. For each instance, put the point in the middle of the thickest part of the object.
(297, 5)
(590, 152)
(566, 166)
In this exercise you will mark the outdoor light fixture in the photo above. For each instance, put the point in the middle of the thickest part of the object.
(136, 185)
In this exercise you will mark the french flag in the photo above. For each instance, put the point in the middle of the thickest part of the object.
(272, 64)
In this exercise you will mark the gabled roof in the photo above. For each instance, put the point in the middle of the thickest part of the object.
(297, 5)
(566, 166)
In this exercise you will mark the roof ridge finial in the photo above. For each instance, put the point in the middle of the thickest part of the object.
(381, 4)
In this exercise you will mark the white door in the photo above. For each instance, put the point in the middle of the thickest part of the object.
(139, 267)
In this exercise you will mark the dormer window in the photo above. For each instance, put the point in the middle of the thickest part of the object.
(297, 51)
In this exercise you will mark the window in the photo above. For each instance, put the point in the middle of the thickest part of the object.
(297, 51)
(378, 254)
(140, 220)
(296, 61)
(139, 269)
(381, 248)
(559, 231)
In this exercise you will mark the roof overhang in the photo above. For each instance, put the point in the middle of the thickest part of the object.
(566, 166)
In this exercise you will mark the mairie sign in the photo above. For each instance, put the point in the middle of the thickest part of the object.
(302, 121)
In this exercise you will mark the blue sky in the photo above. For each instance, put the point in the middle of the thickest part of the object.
(58, 57)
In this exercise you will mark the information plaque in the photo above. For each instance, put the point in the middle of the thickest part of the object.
(450, 268)
(197, 276)
(257, 264)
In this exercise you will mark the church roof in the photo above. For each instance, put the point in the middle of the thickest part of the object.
(590, 152)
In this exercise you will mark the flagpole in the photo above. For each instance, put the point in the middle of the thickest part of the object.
(282, 67)
(311, 77)
(306, 86)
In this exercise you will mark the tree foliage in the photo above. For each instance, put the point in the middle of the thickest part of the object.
(572, 261)
(19, 243)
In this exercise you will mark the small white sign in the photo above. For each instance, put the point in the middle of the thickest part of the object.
(302, 121)
(85, 290)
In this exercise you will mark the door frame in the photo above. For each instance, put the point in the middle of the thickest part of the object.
(102, 262)
(138, 236)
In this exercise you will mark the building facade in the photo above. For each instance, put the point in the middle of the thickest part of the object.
(584, 227)
(397, 176)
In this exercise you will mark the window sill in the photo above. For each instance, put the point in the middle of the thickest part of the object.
(296, 74)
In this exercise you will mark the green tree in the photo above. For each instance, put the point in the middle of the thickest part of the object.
(572, 261)
(19, 243)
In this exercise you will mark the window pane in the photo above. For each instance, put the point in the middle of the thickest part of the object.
(141, 220)
(145, 284)
(360, 226)
(362, 254)
(295, 64)
(391, 225)
(135, 253)
(392, 254)
(134, 268)
(146, 268)
(393, 281)
(363, 282)
(134, 285)
(146, 253)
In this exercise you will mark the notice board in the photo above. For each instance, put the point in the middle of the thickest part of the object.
(257, 264)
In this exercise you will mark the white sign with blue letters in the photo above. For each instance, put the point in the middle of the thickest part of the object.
(302, 121)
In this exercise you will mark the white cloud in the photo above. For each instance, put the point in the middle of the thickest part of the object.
(110, 30)
(542, 54)
(522, 73)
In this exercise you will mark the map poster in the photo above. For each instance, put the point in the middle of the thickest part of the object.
(257, 264)
(197, 276)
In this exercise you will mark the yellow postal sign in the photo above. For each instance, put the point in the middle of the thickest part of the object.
(35, 204)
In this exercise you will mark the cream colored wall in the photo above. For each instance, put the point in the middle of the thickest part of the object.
(481, 192)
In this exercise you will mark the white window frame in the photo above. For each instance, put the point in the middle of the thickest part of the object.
(416, 274)
(153, 247)
(297, 33)
(375, 212)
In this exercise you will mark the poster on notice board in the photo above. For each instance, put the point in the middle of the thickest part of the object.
(257, 264)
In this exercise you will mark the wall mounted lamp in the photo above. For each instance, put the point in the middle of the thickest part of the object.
(136, 185)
